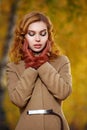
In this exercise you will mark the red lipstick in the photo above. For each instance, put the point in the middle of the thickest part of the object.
(37, 46)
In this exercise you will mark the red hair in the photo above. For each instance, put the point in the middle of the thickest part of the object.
(16, 53)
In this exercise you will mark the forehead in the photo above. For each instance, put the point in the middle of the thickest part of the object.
(37, 26)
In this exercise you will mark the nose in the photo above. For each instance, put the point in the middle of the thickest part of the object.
(37, 38)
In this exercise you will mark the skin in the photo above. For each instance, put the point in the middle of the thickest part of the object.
(37, 36)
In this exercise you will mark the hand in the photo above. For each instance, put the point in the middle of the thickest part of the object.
(43, 57)
(38, 61)
(27, 55)
(35, 61)
(27, 52)
(47, 49)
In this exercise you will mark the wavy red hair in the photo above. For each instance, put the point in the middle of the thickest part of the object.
(16, 53)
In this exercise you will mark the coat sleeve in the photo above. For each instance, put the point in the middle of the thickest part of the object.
(58, 82)
(20, 88)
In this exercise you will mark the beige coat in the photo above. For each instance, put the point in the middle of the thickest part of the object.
(44, 88)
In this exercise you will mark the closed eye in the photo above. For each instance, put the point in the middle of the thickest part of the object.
(31, 33)
(43, 33)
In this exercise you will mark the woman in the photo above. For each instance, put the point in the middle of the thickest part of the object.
(39, 78)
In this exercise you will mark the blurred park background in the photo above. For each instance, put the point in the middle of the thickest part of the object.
(69, 18)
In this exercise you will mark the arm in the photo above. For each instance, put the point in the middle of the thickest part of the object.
(20, 89)
(58, 82)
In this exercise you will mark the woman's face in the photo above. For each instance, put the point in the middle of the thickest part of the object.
(37, 36)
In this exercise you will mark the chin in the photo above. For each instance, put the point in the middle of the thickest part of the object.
(37, 50)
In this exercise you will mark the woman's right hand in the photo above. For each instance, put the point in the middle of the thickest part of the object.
(26, 51)
(27, 55)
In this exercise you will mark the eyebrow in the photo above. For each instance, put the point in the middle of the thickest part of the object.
(40, 30)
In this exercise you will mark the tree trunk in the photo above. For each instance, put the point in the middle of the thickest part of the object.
(11, 22)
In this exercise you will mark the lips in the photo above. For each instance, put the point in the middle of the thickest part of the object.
(37, 46)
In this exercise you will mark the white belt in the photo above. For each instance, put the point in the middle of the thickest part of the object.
(35, 112)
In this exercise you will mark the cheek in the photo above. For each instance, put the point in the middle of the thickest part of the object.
(44, 42)
(45, 39)
(29, 40)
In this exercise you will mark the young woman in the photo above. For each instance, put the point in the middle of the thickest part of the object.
(39, 78)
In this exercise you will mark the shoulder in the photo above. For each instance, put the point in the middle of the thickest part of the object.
(60, 61)
(14, 66)
(10, 65)
(63, 59)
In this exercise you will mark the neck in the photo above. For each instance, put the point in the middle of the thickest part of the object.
(36, 53)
